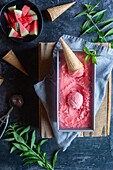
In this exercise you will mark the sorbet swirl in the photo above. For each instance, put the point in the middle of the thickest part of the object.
(75, 95)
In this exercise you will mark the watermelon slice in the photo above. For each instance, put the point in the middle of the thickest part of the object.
(12, 19)
(23, 30)
(27, 19)
(31, 12)
(28, 27)
(13, 33)
(25, 10)
(18, 14)
(25, 24)
(7, 18)
(34, 28)
(15, 26)
(12, 8)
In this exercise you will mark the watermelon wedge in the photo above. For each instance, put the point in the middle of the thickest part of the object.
(12, 8)
(27, 19)
(25, 10)
(18, 14)
(23, 30)
(31, 12)
(34, 28)
(28, 27)
(12, 19)
(7, 17)
(13, 33)
(15, 26)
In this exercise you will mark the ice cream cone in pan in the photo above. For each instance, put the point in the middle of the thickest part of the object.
(73, 63)
(56, 11)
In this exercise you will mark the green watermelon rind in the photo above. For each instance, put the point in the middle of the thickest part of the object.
(18, 13)
(12, 32)
(34, 28)
(31, 12)
(15, 26)
(12, 8)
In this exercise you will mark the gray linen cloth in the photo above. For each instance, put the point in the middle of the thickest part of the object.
(46, 89)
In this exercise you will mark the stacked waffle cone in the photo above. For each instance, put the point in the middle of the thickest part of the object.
(58, 10)
(1, 80)
(11, 58)
(73, 63)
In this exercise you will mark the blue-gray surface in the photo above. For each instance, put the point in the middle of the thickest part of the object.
(84, 153)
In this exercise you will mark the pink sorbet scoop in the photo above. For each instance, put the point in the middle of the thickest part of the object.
(75, 100)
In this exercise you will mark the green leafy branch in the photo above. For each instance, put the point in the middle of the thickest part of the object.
(91, 55)
(29, 150)
(95, 23)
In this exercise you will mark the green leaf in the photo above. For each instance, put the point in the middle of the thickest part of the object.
(99, 18)
(9, 139)
(8, 133)
(40, 143)
(55, 158)
(33, 139)
(25, 130)
(110, 41)
(28, 162)
(94, 60)
(27, 153)
(101, 34)
(106, 26)
(8, 130)
(20, 147)
(99, 13)
(20, 129)
(89, 30)
(30, 157)
(111, 44)
(81, 14)
(86, 25)
(94, 6)
(44, 155)
(106, 21)
(18, 138)
(87, 58)
(109, 33)
(86, 50)
(41, 164)
(87, 5)
(13, 149)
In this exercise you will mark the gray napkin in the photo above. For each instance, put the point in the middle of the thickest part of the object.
(46, 89)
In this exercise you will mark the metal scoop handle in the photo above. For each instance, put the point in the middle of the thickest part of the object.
(7, 121)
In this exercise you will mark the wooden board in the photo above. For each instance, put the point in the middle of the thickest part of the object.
(102, 120)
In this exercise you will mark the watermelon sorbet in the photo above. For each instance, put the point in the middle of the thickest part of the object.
(75, 95)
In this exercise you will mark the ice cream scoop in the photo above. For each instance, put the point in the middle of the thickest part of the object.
(14, 101)
(75, 100)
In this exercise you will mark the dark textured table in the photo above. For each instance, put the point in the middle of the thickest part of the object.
(83, 154)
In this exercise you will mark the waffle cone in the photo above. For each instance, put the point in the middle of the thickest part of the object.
(73, 63)
(58, 10)
(11, 58)
(1, 80)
